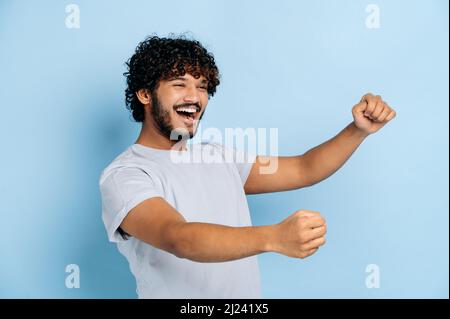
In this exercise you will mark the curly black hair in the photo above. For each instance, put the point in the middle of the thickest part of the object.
(158, 58)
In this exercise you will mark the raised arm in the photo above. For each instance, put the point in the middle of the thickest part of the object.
(317, 164)
(157, 223)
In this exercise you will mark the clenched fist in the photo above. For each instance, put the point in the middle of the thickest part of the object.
(372, 113)
(300, 235)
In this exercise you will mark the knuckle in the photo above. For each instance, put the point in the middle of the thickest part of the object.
(301, 223)
(315, 214)
(301, 213)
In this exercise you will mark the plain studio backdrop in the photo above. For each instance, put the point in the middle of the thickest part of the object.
(298, 66)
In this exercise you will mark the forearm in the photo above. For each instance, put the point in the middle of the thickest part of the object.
(325, 159)
(205, 242)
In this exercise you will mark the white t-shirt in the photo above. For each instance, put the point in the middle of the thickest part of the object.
(204, 184)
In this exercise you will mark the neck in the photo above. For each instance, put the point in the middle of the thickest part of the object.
(151, 137)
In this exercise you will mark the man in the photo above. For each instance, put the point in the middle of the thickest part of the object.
(185, 227)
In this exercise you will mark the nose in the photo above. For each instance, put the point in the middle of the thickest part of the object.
(192, 95)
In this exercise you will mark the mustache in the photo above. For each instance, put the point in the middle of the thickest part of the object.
(197, 106)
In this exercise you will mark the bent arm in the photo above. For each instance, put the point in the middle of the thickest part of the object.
(205, 242)
(324, 160)
(157, 223)
(305, 170)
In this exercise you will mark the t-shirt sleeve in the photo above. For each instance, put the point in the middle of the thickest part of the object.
(121, 190)
(242, 160)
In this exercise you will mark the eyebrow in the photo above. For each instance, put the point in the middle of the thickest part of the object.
(204, 81)
(177, 78)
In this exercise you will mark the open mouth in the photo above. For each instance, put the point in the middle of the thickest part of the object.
(188, 114)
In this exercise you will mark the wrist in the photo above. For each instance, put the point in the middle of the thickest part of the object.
(269, 238)
(356, 131)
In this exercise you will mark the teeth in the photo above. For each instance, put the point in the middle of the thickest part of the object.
(185, 109)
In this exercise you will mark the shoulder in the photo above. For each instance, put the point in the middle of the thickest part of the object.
(128, 162)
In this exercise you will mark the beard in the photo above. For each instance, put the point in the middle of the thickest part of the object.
(163, 122)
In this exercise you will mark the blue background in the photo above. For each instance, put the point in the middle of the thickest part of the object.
(295, 65)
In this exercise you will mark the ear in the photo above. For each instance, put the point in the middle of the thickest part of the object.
(143, 96)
